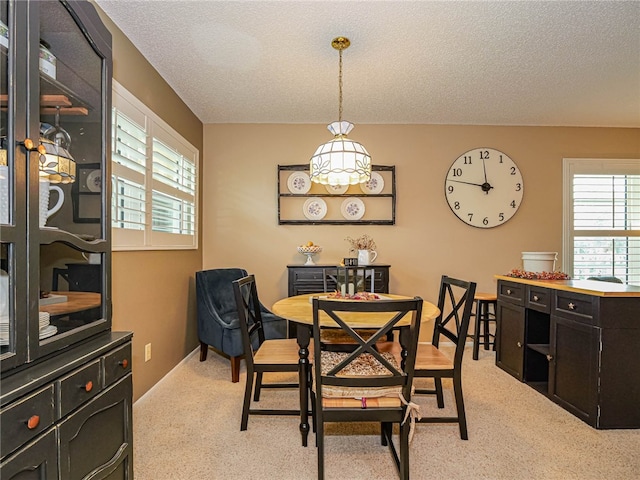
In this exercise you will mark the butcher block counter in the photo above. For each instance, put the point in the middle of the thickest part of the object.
(575, 341)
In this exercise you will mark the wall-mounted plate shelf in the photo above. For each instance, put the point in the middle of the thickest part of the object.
(379, 208)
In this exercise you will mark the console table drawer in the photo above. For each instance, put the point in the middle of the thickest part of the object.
(574, 306)
(79, 386)
(25, 419)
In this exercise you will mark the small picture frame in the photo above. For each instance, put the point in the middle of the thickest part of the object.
(87, 193)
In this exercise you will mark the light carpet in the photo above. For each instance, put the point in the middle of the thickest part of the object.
(188, 427)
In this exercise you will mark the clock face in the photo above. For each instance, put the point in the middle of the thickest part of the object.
(484, 187)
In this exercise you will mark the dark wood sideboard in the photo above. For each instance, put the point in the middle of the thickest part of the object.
(310, 278)
(575, 341)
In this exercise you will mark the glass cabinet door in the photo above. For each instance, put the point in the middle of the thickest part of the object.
(73, 247)
(13, 248)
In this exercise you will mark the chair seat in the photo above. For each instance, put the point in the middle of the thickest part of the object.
(372, 402)
(430, 358)
(365, 365)
(277, 352)
(330, 336)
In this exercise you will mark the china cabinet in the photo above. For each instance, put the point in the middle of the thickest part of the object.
(575, 342)
(66, 377)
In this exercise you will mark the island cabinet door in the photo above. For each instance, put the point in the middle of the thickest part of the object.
(573, 368)
(38, 460)
(510, 338)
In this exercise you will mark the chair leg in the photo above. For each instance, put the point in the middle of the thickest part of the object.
(247, 400)
(439, 395)
(235, 369)
(258, 387)
(485, 324)
(204, 348)
(404, 450)
(385, 428)
(476, 330)
(320, 447)
(462, 418)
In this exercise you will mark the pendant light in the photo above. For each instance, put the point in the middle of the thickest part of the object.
(340, 161)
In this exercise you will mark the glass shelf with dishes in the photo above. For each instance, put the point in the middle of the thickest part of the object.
(303, 202)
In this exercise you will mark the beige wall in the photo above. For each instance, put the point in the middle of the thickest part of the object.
(153, 291)
(240, 200)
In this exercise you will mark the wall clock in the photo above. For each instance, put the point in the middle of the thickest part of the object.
(484, 187)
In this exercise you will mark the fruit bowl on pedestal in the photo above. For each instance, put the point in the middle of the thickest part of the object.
(309, 251)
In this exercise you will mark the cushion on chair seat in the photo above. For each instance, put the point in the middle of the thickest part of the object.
(278, 351)
(430, 358)
(365, 365)
(371, 402)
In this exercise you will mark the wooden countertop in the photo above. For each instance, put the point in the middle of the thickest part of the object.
(76, 302)
(589, 287)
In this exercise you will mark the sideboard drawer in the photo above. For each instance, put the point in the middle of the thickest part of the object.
(574, 306)
(79, 386)
(117, 364)
(25, 419)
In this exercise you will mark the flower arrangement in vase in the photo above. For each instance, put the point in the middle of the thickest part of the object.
(365, 247)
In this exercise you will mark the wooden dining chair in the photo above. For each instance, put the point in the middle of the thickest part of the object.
(261, 355)
(455, 303)
(367, 384)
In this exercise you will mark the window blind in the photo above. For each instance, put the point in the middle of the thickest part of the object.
(603, 235)
(154, 177)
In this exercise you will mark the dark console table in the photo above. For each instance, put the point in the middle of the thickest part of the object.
(310, 278)
(575, 341)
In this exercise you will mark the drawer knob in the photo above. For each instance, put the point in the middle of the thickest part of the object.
(88, 386)
(571, 306)
(508, 291)
(549, 357)
(536, 298)
(124, 363)
(519, 344)
(33, 422)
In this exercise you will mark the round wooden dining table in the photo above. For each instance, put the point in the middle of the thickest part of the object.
(299, 309)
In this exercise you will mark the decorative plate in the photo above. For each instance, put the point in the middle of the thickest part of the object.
(94, 181)
(337, 189)
(314, 209)
(299, 182)
(352, 209)
(374, 185)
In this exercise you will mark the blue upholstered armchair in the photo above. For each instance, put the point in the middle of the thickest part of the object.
(218, 324)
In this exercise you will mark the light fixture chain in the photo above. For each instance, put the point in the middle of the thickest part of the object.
(340, 88)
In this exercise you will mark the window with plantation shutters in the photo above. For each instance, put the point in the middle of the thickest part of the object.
(602, 219)
(154, 180)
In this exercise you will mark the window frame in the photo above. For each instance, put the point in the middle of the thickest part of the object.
(156, 129)
(589, 166)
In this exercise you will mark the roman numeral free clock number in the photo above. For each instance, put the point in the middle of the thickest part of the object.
(484, 187)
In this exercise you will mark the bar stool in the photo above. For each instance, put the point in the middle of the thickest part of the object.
(484, 315)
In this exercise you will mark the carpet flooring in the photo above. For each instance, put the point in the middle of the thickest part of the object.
(187, 427)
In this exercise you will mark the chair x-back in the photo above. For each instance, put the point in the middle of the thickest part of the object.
(367, 384)
(261, 355)
(455, 303)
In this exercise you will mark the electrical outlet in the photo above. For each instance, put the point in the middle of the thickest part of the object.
(147, 352)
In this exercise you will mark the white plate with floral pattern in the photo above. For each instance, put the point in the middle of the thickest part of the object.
(299, 182)
(337, 189)
(374, 185)
(352, 209)
(314, 208)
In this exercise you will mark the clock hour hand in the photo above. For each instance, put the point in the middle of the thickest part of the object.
(485, 186)
(466, 183)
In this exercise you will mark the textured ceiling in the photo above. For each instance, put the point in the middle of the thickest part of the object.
(573, 63)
